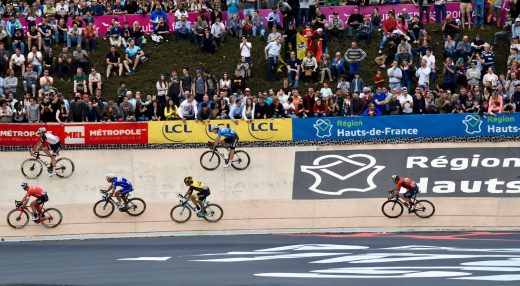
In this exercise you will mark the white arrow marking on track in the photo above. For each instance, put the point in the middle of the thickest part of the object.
(145, 259)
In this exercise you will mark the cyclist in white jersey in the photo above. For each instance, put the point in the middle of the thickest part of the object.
(49, 142)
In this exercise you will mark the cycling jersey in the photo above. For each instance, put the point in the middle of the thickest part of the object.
(51, 139)
(408, 184)
(126, 186)
(35, 191)
(201, 190)
(227, 132)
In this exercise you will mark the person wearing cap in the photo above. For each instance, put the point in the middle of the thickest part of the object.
(336, 27)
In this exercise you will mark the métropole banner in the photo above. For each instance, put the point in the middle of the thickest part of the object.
(456, 172)
(76, 134)
(405, 126)
(192, 131)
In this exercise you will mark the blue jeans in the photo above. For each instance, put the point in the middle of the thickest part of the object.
(73, 40)
(438, 10)
(260, 30)
(91, 44)
(478, 11)
(400, 57)
(60, 38)
(426, 11)
(272, 67)
(305, 15)
(183, 33)
(354, 68)
(319, 114)
(293, 78)
(20, 46)
(383, 41)
(394, 85)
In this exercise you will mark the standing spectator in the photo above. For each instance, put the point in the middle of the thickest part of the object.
(238, 82)
(494, 13)
(394, 75)
(406, 102)
(354, 56)
(424, 9)
(232, 8)
(440, 10)
(127, 109)
(199, 86)
(6, 113)
(133, 57)
(186, 81)
(487, 58)
(423, 73)
(94, 81)
(225, 84)
(272, 52)
(465, 13)
(33, 111)
(188, 108)
(490, 79)
(245, 51)
(479, 13)
(450, 75)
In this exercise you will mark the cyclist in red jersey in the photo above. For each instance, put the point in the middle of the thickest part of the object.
(411, 187)
(39, 194)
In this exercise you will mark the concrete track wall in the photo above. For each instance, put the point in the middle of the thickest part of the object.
(258, 199)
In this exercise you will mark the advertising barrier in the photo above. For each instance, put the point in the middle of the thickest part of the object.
(76, 134)
(405, 126)
(191, 131)
(451, 172)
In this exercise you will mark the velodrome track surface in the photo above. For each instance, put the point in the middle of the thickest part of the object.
(258, 199)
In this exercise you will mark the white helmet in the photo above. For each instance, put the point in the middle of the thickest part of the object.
(110, 177)
(42, 130)
(214, 127)
(395, 177)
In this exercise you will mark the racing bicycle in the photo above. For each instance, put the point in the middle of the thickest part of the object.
(19, 217)
(33, 167)
(210, 160)
(106, 206)
(394, 206)
(182, 212)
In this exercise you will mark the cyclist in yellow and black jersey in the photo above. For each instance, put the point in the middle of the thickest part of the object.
(197, 192)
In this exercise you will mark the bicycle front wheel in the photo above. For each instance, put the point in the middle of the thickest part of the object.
(424, 209)
(17, 218)
(213, 213)
(64, 167)
(392, 209)
(240, 160)
(103, 208)
(51, 218)
(135, 207)
(180, 213)
(32, 168)
(210, 160)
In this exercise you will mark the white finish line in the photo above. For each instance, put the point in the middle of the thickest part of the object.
(145, 259)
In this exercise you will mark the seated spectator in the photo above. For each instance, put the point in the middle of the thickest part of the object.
(46, 32)
(235, 26)
(74, 36)
(115, 35)
(243, 67)
(10, 82)
(80, 81)
(133, 57)
(450, 46)
(198, 30)
(157, 15)
(127, 110)
(18, 40)
(64, 64)
(34, 37)
(309, 67)
(161, 32)
(463, 49)
(208, 42)
(218, 31)
(46, 79)
(94, 81)
(155, 112)
(113, 60)
(118, 9)
(89, 36)
(60, 35)
(183, 29)
(276, 109)
(477, 44)
(80, 57)
(336, 27)
(137, 33)
(17, 62)
(273, 19)
(324, 66)
(371, 110)
(490, 78)
(364, 32)
(30, 80)
(389, 25)
(416, 28)
(6, 113)
(320, 108)
(49, 61)
(259, 27)
(170, 111)
(354, 22)
(450, 28)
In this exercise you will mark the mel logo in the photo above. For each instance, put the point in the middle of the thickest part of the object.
(75, 134)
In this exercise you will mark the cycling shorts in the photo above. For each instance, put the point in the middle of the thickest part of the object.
(410, 193)
(201, 196)
(55, 148)
(125, 190)
(232, 142)
(41, 200)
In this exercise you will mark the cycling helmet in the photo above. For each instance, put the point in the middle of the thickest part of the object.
(110, 177)
(24, 185)
(188, 180)
(214, 127)
(395, 178)
(42, 130)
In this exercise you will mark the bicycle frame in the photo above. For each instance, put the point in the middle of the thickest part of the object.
(398, 198)
(23, 209)
(187, 203)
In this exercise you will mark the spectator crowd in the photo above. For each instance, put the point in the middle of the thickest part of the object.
(295, 38)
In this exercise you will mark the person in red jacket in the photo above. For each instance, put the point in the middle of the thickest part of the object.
(320, 108)
(389, 25)
(41, 198)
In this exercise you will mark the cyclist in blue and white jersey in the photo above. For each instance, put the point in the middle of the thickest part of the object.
(122, 194)
(230, 141)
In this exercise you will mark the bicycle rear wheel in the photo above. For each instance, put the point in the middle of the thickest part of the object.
(213, 213)
(103, 208)
(17, 218)
(180, 213)
(32, 168)
(392, 209)
(241, 160)
(424, 209)
(135, 207)
(64, 167)
(210, 160)
(51, 218)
